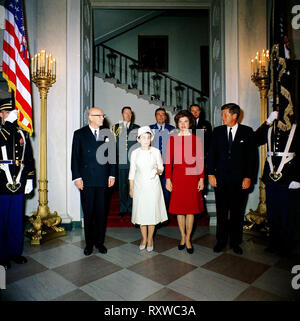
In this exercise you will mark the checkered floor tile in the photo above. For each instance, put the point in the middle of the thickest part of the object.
(58, 270)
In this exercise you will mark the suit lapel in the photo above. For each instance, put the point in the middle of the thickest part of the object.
(225, 137)
(89, 135)
(237, 136)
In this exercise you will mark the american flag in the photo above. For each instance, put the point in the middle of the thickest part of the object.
(16, 62)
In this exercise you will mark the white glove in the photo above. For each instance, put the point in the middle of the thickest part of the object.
(13, 116)
(294, 185)
(272, 117)
(28, 186)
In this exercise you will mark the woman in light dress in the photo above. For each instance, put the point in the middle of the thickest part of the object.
(148, 208)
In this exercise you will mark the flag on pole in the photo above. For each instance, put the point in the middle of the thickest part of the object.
(282, 71)
(16, 62)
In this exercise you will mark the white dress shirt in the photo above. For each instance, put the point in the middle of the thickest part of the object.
(233, 131)
(93, 131)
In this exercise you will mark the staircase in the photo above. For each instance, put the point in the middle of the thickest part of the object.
(157, 89)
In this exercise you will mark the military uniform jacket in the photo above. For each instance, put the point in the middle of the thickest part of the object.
(206, 126)
(126, 138)
(279, 138)
(16, 159)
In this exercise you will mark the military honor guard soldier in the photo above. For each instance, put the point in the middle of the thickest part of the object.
(126, 134)
(281, 176)
(16, 179)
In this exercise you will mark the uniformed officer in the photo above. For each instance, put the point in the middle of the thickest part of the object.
(126, 133)
(16, 179)
(281, 176)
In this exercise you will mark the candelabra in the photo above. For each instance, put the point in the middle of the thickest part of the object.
(45, 224)
(260, 77)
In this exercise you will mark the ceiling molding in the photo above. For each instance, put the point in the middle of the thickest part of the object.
(155, 4)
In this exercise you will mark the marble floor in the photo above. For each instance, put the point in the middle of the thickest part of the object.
(58, 270)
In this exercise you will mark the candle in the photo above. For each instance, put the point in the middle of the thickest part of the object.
(43, 59)
(35, 63)
(252, 67)
(51, 68)
(47, 62)
(31, 65)
(259, 66)
(255, 64)
(39, 62)
(54, 68)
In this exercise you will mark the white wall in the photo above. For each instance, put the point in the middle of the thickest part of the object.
(186, 35)
(111, 100)
(49, 26)
(241, 45)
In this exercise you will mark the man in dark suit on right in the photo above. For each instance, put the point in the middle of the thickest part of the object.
(230, 171)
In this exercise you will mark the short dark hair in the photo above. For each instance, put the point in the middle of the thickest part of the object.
(184, 113)
(126, 107)
(195, 105)
(160, 109)
(233, 109)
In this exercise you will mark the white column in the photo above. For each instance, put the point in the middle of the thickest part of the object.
(73, 100)
(231, 51)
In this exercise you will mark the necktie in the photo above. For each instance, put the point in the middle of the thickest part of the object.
(230, 140)
(160, 139)
(95, 134)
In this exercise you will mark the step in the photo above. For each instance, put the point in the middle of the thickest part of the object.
(100, 75)
(134, 91)
(211, 206)
(159, 103)
(123, 86)
(210, 196)
(143, 96)
(212, 221)
(112, 81)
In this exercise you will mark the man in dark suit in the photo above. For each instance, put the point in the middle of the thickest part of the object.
(126, 134)
(93, 172)
(162, 132)
(201, 123)
(230, 171)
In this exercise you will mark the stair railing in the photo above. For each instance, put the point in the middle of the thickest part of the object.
(158, 86)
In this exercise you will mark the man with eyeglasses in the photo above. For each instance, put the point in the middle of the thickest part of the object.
(125, 133)
(93, 173)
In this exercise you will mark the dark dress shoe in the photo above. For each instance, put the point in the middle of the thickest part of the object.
(88, 251)
(19, 259)
(237, 249)
(190, 250)
(218, 248)
(5, 263)
(102, 249)
(181, 247)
